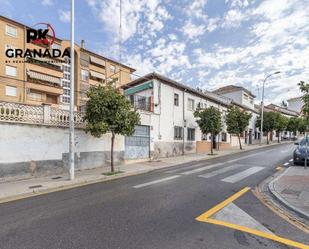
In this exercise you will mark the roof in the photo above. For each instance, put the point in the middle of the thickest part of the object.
(295, 99)
(282, 110)
(232, 88)
(208, 95)
(87, 51)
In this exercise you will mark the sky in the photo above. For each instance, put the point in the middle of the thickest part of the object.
(201, 43)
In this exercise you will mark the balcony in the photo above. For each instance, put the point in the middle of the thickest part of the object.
(142, 103)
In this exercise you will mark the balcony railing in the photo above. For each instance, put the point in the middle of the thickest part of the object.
(32, 114)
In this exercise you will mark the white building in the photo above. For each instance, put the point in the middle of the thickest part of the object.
(244, 99)
(168, 126)
(295, 104)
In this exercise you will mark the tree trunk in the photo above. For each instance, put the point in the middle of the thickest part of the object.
(278, 137)
(211, 145)
(267, 135)
(240, 147)
(112, 152)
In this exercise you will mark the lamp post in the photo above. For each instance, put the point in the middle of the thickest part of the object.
(262, 105)
(71, 120)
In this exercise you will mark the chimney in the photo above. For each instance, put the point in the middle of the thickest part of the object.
(82, 44)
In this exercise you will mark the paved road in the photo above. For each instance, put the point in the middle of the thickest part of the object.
(155, 210)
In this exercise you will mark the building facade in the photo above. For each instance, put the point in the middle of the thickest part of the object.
(295, 104)
(36, 80)
(168, 126)
(244, 99)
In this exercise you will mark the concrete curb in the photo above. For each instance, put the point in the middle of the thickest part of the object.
(278, 197)
(115, 177)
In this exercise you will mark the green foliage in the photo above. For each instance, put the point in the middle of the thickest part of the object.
(302, 125)
(282, 122)
(269, 121)
(107, 110)
(209, 121)
(293, 125)
(304, 88)
(237, 121)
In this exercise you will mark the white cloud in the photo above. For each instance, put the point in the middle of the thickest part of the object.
(64, 15)
(193, 30)
(47, 2)
(133, 11)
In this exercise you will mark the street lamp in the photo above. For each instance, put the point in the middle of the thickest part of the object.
(262, 104)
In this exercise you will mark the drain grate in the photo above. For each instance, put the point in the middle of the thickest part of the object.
(35, 186)
(56, 177)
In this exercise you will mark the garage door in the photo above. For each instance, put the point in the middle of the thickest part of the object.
(137, 145)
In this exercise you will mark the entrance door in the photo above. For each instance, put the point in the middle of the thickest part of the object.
(137, 146)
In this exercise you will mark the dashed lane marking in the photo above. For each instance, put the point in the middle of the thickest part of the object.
(286, 164)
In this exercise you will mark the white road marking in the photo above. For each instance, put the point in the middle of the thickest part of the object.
(241, 175)
(286, 164)
(220, 171)
(184, 168)
(156, 181)
(189, 172)
(291, 160)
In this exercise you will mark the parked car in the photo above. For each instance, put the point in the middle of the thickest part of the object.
(300, 152)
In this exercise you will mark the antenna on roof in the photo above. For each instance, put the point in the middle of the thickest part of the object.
(120, 29)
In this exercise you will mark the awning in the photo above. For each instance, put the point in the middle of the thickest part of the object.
(97, 61)
(139, 88)
(43, 77)
(97, 75)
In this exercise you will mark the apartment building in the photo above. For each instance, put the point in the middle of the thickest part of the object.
(38, 80)
(168, 126)
(244, 99)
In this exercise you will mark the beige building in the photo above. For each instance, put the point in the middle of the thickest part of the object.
(40, 80)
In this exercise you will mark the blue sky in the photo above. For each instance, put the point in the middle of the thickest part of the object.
(202, 43)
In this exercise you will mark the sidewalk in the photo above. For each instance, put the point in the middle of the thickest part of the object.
(292, 189)
(18, 189)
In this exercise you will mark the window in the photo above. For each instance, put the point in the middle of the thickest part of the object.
(191, 134)
(56, 46)
(176, 99)
(84, 75)
(11, 31)
(178, 132)
(223, 137)
(11, 91)
(10, 71)
(34, 95)
(251, 100)
(191, 104)
(112, 69)
(246, 96)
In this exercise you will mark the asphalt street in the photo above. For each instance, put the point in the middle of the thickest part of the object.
(157, 209)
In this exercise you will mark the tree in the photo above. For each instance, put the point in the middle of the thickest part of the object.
(304, 88)
(209, 121)
(302, 125)
(269, 123)
(107, 110)
(237, 121)
(293, 125)
(281, 124)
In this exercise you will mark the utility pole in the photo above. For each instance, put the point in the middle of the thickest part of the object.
(71, 136)
(262, 106)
